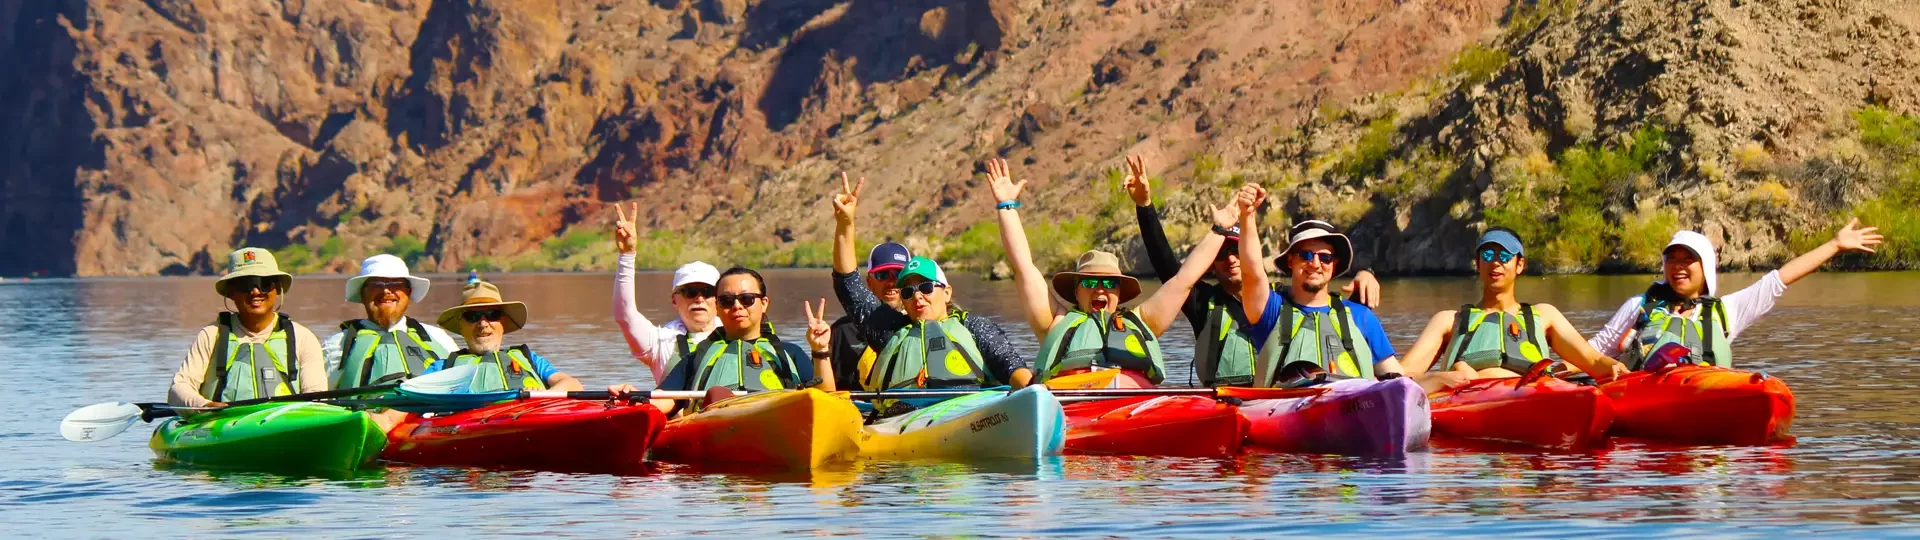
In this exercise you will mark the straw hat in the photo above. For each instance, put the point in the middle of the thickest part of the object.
(1095, 263)
(481, 294)
(252, 262)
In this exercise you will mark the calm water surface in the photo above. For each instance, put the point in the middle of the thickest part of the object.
(1845, 343)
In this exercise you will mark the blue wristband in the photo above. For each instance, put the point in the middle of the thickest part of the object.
(1008, 205)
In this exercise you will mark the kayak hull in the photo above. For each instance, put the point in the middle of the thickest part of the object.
(559, 434)
(1354, 417)
(1547, 413)
(297, 437)
(793, 429)
(1186, 426)
(1702, 405)
(1025, 423)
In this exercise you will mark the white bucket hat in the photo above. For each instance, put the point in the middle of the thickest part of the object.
(1702, 248)
(385, 266)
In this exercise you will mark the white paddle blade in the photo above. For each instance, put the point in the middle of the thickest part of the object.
(99, 422)
(454, 380)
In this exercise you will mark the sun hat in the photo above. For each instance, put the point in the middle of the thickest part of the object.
(888, 256)
(1095, 263)
(483, 294)
(385, 266)
(925, 268)
(1702, 248)
(251, 261)
(696, 272)
(1316, 229)
(1503, 238)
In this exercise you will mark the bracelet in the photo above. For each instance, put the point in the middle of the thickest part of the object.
(1222, 231)
(822, 355)
(1007, 205)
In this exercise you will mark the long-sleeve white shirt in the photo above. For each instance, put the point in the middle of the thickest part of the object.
(654, 346)
(1743, 308)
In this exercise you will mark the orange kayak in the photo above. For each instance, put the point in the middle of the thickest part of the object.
(790, 429)
(1545, 413)
(1701, 405)
(1188, 426)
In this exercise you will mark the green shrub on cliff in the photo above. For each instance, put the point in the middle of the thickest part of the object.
(1478, 63)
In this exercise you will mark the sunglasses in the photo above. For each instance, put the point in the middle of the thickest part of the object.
(474, 316)
(1099, 283)
(1491, 255)
(925, 287)
(885, 275)
(1309, 256)
(745, 300)
(252, 283)
(696, 292)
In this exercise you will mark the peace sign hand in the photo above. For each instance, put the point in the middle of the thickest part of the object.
(1136, 182)
(819, 330)
(848, 199)
(623, 228)
(1854, 238)
(1001, 182)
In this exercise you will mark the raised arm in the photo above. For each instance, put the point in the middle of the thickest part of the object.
(845, 203)
(1159, 310)
(1159, 251)
(641, 334)
(1026, 277)
(1565, 341)
(1253, 265)
(1850, 238)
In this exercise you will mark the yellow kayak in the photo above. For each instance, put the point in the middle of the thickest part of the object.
(793, 429)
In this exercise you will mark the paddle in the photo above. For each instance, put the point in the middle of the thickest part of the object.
(101, 421)
(1221, 392)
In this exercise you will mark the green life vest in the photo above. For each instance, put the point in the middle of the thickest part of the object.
(1082, 340)
(1490, 339)
(512, 366)
(236, 371)
(375, 356)
(936, 354)
(1324, 340)
(765, 363)
(1705, 337)
(1223, 356)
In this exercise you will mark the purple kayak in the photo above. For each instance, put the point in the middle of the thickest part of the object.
(1355, 417)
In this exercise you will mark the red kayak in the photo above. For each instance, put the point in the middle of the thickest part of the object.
(1701, 405)
(563, 434)
(1544, 412)
(1190, 426)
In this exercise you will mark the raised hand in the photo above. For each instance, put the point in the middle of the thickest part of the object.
(1001, 182)
(1225, 216)
(848, 199)
(1365, 289)
(1136, 182)
(819, 330)
(623, 228)
(1853, 238)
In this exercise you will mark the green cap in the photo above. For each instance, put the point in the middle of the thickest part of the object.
(925, 268)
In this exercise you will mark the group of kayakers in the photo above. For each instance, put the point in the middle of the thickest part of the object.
(902, 328)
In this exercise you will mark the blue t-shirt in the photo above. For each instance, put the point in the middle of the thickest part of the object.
(1363, 316)
(541, 368)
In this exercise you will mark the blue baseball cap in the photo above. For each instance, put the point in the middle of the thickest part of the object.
(888, 256)
(1503, 238)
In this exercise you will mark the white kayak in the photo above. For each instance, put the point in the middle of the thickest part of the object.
(1026, 423)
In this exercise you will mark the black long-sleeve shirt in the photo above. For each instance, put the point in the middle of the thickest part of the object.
(1166, 264)
(876, 322)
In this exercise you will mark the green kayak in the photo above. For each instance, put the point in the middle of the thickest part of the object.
(272, 437)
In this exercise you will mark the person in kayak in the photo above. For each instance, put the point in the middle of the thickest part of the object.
(386, 346)
(251, 351)
(484, 320)
(658, 347)
(1223, 351)
(1308, 330)
(1675, 309)
(972, 351)
(1499, 337)
(852, 358)
(1098, 330)
(744, 354)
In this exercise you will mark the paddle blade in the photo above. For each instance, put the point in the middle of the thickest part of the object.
(453, 380)
(99, 422)
(1268, 393)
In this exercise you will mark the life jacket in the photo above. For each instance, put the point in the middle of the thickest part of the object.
(373, 356)
(1223, 356)
(1704, 335)
(1324, 340)
(1490, 339)
(765, 363)
(514, 365)
(235, 371)
(1082, 341)
(908, 360)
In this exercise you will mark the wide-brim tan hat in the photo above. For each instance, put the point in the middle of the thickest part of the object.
(1325, 232)
(484, 295)
(246, 262)
(1095, 263)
